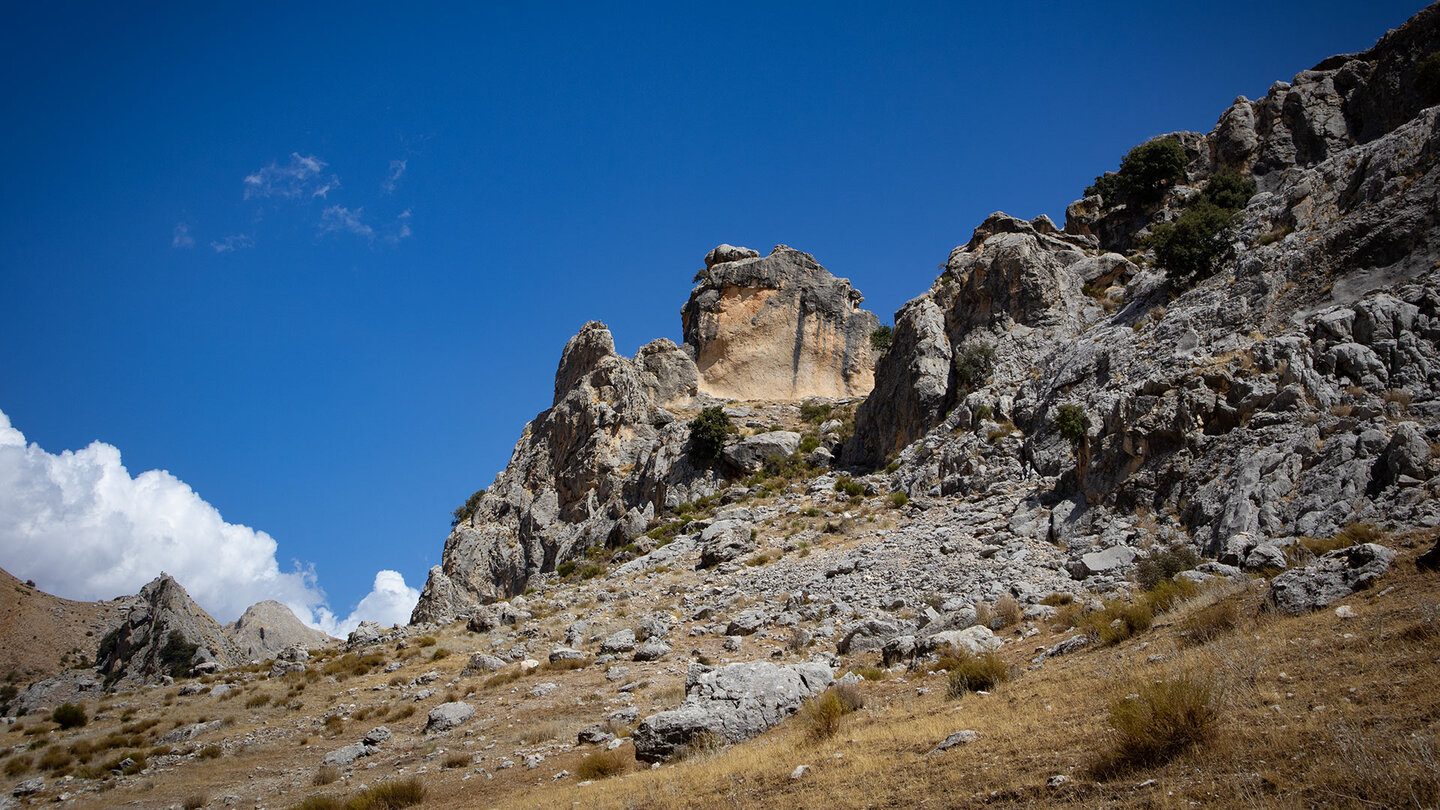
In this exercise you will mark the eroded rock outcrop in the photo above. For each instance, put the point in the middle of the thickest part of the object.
(612, 452)
(597, 466)
(730, 704)
(778, 327)
(165, 634)
(1293, 392)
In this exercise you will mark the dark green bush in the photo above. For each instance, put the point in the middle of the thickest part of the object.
(1145, 174)
(973, 363)
(1072, 423)
(815, 411)
(1229, 189)
(177, 655)
(1187, 248)
(69, 715)
(708, 432)
(1162, 564)
(466, 511)
(880, 338)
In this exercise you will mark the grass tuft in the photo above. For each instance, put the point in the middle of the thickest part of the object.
(973, 673)
(1159, 721)
(601, 765)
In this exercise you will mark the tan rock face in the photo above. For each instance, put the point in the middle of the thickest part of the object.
(779, 327)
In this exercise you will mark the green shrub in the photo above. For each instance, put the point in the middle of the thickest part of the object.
(973, 364)
(466, 511)
(1230, 190)
(849, 487)
(1117, 620)
(1164, 563)
(1161, 719)
(69, 715)
(815, 411)
(708, 432)
(1072, 423)
(809, 443)
(566, 568)
(1187, 248)
(973, 673)
(898, 498)
(177, 654)
(880, 338)
(1146, 172)
(1167, 593)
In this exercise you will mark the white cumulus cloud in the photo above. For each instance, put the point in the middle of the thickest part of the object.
(82, 527)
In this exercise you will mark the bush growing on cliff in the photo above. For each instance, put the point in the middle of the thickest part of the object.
(973, 363)
(1187, 248)
(466, 511)
(708, 432)
(1145, 173)
(1072, 422)
(177, 654)
(880, 338)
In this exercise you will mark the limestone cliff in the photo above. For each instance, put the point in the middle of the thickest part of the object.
(1292, 392)
(164, 633)
(778, 327)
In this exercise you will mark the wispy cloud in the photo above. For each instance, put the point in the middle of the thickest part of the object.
(397, 169)
(339, 219)
(234, 242)
(401, 229)
(181, 238)
(82, 527)
(303, 176)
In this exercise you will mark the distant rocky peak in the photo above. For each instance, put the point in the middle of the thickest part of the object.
(165, 633)
(778, 327)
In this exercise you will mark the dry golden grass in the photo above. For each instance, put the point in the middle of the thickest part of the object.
(1303, 711)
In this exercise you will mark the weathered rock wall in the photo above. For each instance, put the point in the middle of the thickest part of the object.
(778, 327)
(141, 649)
(1295, 391)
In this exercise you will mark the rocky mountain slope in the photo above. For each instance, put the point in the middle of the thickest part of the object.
(1286, 388)
(613, 451)
(1181, 453)
(42, 634)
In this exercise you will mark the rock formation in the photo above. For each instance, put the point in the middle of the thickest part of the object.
(1292, 392)
(777, 328)
(166, 633)
(612, 452)
(266, 628)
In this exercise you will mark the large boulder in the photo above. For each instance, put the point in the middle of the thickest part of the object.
(750, 453)
(730, 704)
(725, 540)
(1334, 576)
(448, 715)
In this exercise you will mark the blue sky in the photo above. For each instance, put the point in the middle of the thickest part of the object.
(318, 263)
